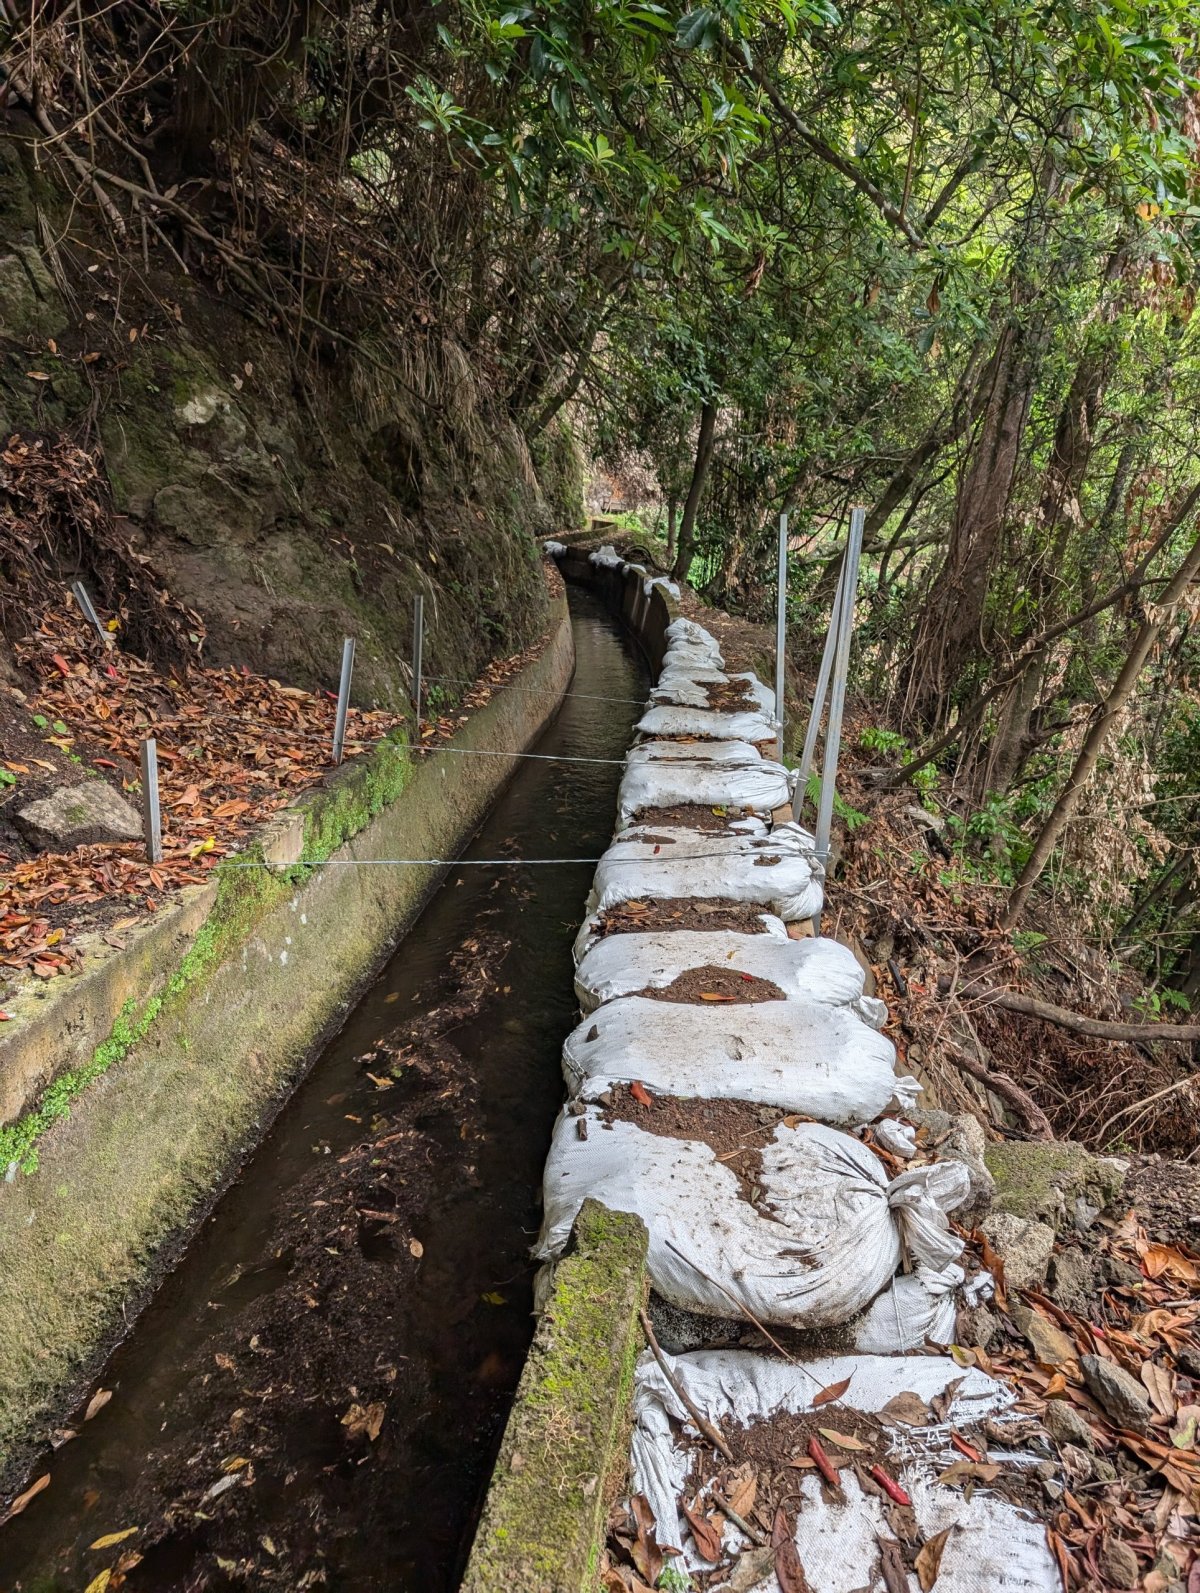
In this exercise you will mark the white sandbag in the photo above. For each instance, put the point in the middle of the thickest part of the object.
(810, 969)
(830, 1243)
(796, 1055)
(606, 558)
(689, 687)
(995, 1547)
(899, 1138)
(697, 674)
(740, 724)
(553, 549)
(679, 689)
(685, 657)
(730, 867)
(760, 786)
(685, 630)
(669, 587)
(727, 754)
(917, 1306)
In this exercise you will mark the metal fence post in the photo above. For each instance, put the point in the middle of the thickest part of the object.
(151, 812)
(418, 651)
(841, 666)
(781, 631)
(80, 594)
(819, 695)
(343, 702)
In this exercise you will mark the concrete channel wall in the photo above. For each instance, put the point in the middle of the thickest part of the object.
(177, 1051)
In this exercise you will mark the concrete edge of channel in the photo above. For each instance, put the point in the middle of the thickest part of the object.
(562, 1460)
(208, 1019)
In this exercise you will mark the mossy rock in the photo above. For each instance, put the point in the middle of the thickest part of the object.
(1043, 1181)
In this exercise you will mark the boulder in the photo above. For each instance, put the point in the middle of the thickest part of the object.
(1049, 1343)
(1024, 1247)
(1043, 1180)
(78, 815)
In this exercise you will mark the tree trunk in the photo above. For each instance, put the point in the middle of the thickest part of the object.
(672, 527)
(1148, 633)
(704, 457)
(949, 634)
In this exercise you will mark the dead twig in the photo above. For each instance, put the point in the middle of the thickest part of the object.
(713, 1434)
(1008, 1090)
(1095, 1028)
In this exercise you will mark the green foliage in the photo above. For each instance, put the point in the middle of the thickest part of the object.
(850, 817)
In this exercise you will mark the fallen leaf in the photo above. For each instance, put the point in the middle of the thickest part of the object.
(929, 1558)
(99, 1583)
(1158, 1383)
(23, 1499)
(705, 1533)
(832, 1392)
(789, 1571)
(640, 1093)
(416, 1248)
(842, 1440)
(644, 1550)
(711, 995)
(908, 1408)
(1158, 1260)
(892, 1566)
(111, 1538)
(97, 1403)
(364, 1421)
(963, 1471)
(741, 1489)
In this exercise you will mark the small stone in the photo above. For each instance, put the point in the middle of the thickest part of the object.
(1085, 1214)
(576, 1108)
(1025, 1247)
(1120, 1564)
(1122, 1396)
(1121, 1274)
(1188, 1361)
(1104, 1469)
(1071, 1282)
(977, 1327)
(1065, 1425)
(1077, 1464)
(78, 815)
(1049, 1343)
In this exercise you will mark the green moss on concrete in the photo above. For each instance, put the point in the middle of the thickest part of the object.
(246, 891)
(1043, 1180)
(563, 1455)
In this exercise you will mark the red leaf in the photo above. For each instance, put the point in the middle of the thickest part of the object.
(706, 1533)
(640, 1093)
(834, 1391)
(60, 664)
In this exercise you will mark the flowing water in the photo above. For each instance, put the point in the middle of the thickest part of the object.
(396, 1510)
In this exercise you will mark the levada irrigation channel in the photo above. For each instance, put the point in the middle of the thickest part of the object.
(315, 1396)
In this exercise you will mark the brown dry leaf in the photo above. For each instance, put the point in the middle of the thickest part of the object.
(940, 1403)
(842, 1440)
(908, 1408)
(1160, 1386)
(929, 1559)
(23, 1499)
(364, 1421)
(741, 1489)
(970, 1471)
(1160, 1260)
(706, 1534)
(789, 1572)
(892, 1566)
(416, 1248)
(834, 1391)
(644, 1551)
(97, 1402)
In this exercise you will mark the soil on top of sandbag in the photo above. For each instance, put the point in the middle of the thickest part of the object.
(690, 816)
(710, 983)
(682, 912)
(735, 1131)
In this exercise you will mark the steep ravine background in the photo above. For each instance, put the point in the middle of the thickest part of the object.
(292, 487)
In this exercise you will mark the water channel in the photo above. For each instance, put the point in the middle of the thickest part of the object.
(315, 1395)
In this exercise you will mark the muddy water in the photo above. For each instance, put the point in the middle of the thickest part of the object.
(426, 1319)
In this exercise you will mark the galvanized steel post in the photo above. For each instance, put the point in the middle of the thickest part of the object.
(80, 594)
(781, 631)
(819, 694)
(343, 702)
(841, 668)
(151, 812)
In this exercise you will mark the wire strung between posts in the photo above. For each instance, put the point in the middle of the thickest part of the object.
(530, 691)
(503, 862)
(563, 757)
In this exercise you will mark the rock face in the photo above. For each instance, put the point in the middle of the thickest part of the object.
(1024, 1247)
(1122, 1396)
(78, 815)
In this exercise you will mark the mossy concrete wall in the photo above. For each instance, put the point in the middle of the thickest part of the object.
(563, 1457)
(197, 1062)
